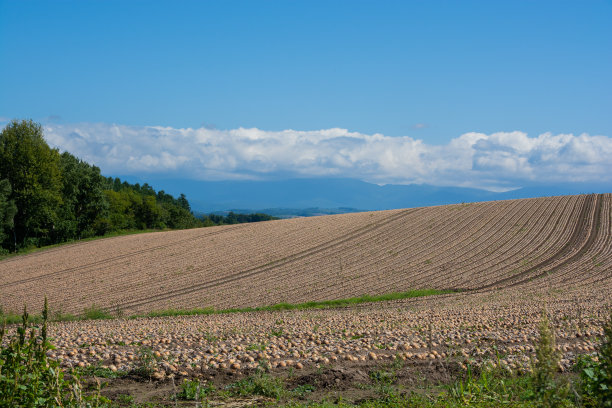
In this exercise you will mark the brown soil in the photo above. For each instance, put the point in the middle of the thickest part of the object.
(350, 382)
(479, 246)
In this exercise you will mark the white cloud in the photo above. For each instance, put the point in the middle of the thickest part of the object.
(496, 161)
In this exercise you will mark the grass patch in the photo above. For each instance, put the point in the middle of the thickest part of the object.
(258, 384)
(91, 313)
(323, 304)
(96, 313)
(12, 318)
(101, 372)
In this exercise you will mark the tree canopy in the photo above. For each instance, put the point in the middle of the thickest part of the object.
(47, 197)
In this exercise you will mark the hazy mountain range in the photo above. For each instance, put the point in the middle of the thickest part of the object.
(326, 195)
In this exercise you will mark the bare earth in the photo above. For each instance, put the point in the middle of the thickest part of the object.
(511, 259)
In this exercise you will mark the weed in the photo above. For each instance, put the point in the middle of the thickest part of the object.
(147, 362)
(596, 373)
(546, 389)
(194, 390)
(101, 372)
(277, 332)
(258, 384)
(257, 346)
(125, 398)
(211, 338)
(96, 313)
(29, 379)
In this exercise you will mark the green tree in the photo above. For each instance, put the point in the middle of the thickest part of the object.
(33, 171)
(84, 201)
(183, 203)
(7, 213)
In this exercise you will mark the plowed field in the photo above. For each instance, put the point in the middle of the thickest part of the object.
(516, 246)
(511, 261)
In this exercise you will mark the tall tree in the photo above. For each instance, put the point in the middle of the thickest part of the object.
(7, 213)
(33, 171)
(83, 197)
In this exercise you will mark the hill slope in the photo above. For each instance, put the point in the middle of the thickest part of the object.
(556, 242)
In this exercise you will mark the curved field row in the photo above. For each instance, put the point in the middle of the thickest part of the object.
(592, 265)
(346, 271)
(483, 247)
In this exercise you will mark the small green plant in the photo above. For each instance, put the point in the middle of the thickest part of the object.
(125, 398)
(257, 346)
(493, 387)
(194, 390)
(277, 332)
(147, 362)
(211, 338)
(384, 382)
(259, 383)
(301, 390)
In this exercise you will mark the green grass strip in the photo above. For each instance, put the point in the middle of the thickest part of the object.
(96, 313)
(323, 304)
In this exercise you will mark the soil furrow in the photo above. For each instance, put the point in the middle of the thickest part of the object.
(263, 268)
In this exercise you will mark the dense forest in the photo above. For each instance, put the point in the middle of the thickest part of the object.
(48, 197)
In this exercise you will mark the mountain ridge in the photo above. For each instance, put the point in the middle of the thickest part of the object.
(338, 195)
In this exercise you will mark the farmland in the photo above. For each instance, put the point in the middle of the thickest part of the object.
(563, 242)
(505, 262)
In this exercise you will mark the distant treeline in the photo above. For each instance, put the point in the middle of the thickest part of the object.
(233, 218)
(47, 197)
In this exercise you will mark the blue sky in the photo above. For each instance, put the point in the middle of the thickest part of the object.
(427, 71)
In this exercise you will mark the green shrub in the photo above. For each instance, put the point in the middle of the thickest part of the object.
(548, 391)
(29, 379)
(596, 373)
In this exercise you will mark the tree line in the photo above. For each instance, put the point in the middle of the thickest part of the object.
(48, 197)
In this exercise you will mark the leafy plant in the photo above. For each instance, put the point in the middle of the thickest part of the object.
(596, 373)
(28, 378)
(301, 390)
(547, 390)
(194, 390)
(259, 383)
(147, 362)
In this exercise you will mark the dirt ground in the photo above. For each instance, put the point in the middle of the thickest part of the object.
(349, 382)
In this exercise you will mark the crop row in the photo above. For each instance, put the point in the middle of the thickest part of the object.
(555, 241)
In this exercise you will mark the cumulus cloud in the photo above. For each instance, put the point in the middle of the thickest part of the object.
(495, 161)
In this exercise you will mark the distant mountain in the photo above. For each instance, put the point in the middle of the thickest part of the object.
(327, 195)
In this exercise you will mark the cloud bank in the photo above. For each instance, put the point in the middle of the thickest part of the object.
(498, 161)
